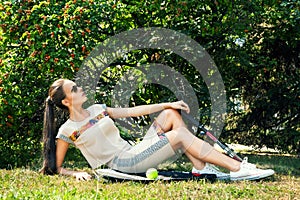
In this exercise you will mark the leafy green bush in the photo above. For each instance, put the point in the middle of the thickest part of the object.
(42, 41)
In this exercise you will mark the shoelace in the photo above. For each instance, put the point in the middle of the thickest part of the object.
(247, 165)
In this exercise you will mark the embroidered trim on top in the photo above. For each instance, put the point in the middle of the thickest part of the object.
(65, 138)
(75, 135)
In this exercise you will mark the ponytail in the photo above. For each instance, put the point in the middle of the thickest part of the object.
(56, 95)
(49, 146)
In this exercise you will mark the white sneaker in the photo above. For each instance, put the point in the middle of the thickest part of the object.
(210, 169)
(249, 171)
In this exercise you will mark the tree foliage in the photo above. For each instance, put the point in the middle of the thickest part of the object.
(255, 45)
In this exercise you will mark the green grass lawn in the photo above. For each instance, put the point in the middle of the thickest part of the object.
(27, 183)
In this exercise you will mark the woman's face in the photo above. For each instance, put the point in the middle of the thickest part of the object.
(74, 94)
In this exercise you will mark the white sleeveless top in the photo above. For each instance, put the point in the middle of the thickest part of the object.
(99, 143)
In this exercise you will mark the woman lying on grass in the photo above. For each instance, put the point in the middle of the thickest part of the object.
(93, 131)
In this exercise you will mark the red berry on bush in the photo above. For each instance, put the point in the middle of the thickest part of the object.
(9, 124)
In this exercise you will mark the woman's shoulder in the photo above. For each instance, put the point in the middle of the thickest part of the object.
(65, 131)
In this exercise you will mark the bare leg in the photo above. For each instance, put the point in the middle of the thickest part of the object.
(197, 150)
(169, 120)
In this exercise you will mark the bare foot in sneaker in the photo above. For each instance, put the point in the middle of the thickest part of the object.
(211, 169)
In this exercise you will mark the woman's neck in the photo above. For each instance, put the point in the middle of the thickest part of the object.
(78, 114)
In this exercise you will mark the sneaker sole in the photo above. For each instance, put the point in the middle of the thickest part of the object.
(267, 173)
(218, 178)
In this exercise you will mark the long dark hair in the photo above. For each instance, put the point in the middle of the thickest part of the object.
(56, 95)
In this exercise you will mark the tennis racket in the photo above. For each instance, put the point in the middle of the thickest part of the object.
(204, 131)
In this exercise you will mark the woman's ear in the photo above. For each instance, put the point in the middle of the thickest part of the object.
(65, 102)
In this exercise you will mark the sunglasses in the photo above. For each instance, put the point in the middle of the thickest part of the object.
(74, 88)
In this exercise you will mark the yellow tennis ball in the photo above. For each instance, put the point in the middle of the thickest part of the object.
(152, 173)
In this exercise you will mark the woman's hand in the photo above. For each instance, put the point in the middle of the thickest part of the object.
(180, 105)
(82, 176)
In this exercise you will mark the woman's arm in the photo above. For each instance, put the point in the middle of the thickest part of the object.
(146, 109)
(61, 150)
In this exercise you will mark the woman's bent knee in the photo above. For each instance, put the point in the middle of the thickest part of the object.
(169, 112)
